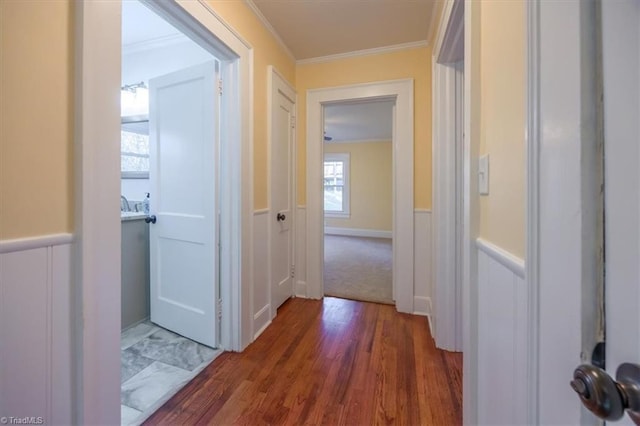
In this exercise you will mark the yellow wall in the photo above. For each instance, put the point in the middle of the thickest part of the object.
(370, 185)
(266, 51)
(36, 110)
(36, 118)
(413, 63)
(502, 123)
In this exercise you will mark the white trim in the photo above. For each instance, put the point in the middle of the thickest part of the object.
(20, 244)
(422, 210)
(301, 289)
(357, 232)
(364, 52)
(97, 260)
(447, 178)
(260, 212)
(470, 213)
(403, 218)
(357, 141)
(422, 306)
(265, 311)
(503, 257)
(532, 268)
(265, 22)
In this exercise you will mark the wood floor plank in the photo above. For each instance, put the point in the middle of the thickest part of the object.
(333, 362)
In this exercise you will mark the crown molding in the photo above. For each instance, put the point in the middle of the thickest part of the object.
(256, 11)
(365, 52)
(154, 43)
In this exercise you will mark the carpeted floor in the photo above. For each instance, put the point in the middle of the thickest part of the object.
(358, 268)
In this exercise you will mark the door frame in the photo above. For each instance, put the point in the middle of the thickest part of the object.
(448, 173)
(403, 234)
(561, 197)
(96, 263)
(277, 83)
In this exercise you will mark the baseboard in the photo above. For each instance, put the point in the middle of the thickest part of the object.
(261, 317)
(356, 232)
(301, 289)
(421, 305)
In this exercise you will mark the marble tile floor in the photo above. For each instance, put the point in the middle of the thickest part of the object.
(155, 364)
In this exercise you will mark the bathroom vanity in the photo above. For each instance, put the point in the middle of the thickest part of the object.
(135, 268)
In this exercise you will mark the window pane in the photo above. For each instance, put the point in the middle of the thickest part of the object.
(134, 143)
(333, 198)
(130, 163)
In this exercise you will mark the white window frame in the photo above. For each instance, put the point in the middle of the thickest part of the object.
(130, 174)
(346, 187)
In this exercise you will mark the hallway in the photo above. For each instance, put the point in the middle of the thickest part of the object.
(328, 362)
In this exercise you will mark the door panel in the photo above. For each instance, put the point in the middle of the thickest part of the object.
(183, 168)
(621, 71)
(281, 200)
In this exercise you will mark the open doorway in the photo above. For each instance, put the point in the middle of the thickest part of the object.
(358, 200)
(170, 108)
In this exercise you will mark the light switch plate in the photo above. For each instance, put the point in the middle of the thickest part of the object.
(483, 175)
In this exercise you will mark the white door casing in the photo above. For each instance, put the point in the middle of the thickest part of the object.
(183, 248)
(281, 188)
(621, 87)
(96, 162)
(447, 221)
(402, 92)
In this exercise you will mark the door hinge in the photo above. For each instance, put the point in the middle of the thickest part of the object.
(219, 86)
(219, 309)
(293, 271)
(293, 121)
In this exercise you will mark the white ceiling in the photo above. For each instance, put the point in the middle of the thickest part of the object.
(316, 28)
(362, 121)
(140, 25)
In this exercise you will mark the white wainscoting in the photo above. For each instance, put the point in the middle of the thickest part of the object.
(357, 232)
(301, 252)
(422, 266)
(502, 337)
(261, 298)
(35, 328)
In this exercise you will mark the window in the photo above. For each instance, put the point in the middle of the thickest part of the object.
(134, 150)
(336, 185)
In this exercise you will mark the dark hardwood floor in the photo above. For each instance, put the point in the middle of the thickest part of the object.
(327, 362)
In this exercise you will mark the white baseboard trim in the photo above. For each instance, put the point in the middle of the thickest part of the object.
(356, 232)
(506, 259)
(261, 317)
(301, 289)
(421, 305)
(21, 244)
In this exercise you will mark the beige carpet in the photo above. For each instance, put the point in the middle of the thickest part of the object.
(358, 268)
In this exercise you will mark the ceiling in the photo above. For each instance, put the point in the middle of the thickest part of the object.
(361, 121)
(317, 28)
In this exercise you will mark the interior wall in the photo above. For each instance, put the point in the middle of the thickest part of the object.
(266, 51)
(502, 134)
(409, 63)
(370, 181)
(36, 118)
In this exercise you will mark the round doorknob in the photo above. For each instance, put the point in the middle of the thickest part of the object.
(280, 217)
(598, 392)
(150, 219)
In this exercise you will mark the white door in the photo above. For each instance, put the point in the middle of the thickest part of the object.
(183, 124)
(282, 137)
(621, 71)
